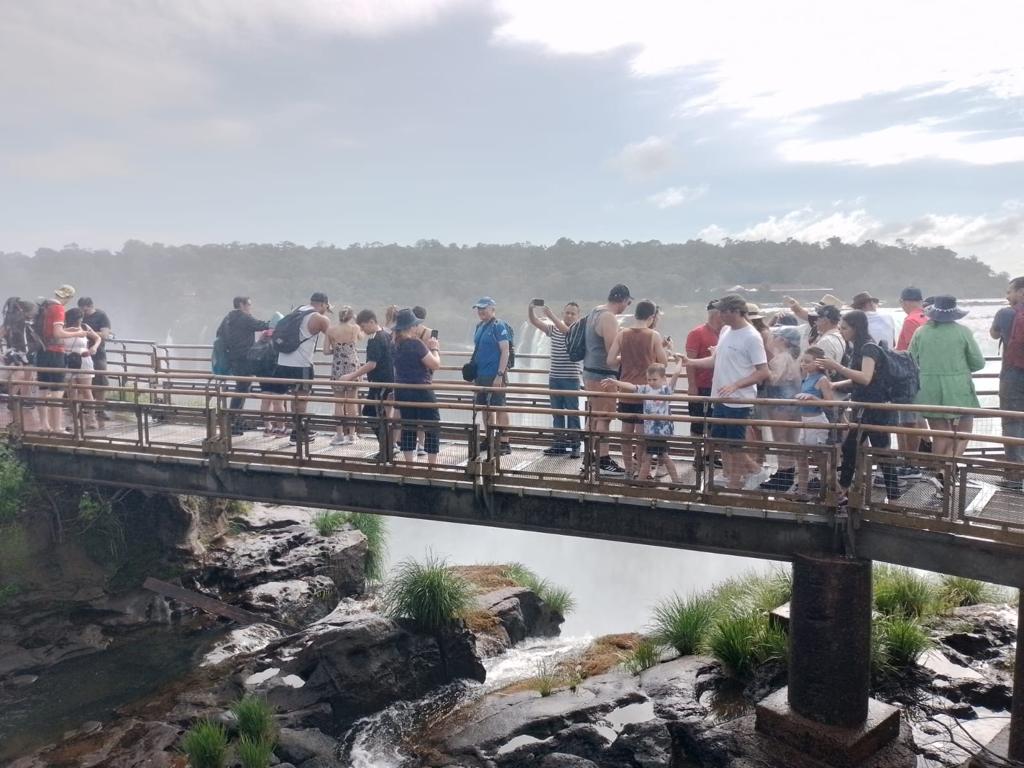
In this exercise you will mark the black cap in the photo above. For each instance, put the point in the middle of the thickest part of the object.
(830, 313)
(713, 304)
(911, 294)
(319, 298)
(619, 293)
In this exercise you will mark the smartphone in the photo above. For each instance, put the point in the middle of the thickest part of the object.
(433, 333)
(538, 302)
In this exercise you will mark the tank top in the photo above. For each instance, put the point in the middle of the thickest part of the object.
(809, 387)
(636, 354)
(303, 356)
(595, 362)
(78, 345)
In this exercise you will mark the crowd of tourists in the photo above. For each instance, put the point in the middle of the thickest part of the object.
(806, 357)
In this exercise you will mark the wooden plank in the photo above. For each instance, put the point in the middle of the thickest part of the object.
(209, 604)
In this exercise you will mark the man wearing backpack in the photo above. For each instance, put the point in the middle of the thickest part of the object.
(295, 338)
(238, 329)
(492, 351)
(1008, 328)
(563, 376)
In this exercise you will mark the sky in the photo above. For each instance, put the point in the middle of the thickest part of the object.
(341, 121)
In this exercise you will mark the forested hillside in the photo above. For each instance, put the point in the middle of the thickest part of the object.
(152, 290)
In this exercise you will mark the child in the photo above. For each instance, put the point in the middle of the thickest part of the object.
(655, 429)
(815, 386)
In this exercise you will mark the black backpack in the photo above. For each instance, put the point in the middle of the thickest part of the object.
(288, 331)
(262, 358)
(38, 327)
(900, 376)
(576, 340)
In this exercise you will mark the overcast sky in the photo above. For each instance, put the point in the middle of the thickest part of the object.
(509, 120)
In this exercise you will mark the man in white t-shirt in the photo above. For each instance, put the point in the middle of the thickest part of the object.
(881, 327)
(740, 363)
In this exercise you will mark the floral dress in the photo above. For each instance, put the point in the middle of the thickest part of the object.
(344, 359)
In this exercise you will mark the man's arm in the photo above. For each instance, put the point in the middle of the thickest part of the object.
(502, 357)
(760, 374)
(358, 373)
(536, 322)
(555, 320)
(795, 308)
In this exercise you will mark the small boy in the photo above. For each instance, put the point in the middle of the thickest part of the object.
(656, 430)
(815, 386)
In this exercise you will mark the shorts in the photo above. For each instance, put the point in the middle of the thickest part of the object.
(729, 431)
(812, 437)
(634, 409)
(374, 411)
(598, 402)
(488, 398)
(656, 446)
(907, 418)
(294, 372)
(99, 364)
(49, 379)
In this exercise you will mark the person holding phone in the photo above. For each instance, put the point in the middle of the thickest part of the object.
(563, 376)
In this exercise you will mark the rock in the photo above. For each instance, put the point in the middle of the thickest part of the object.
(360, 663)
(298, 746)
(974, 644)
(323, 762)
(286, 554)
(297, 602)
(562, 760)
(240, 641)
(317, 716)
(521, 614)
(20, 681)
(645, 745)
(229, 720)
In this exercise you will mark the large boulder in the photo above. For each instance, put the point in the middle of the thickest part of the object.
(517, 613)
(297, 602)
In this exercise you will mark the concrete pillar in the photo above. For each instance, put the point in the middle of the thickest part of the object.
(830, 640)
(1016, 746)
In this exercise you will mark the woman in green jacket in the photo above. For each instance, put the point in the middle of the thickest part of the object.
(947, 353)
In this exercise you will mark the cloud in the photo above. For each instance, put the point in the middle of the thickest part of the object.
(905, 143)
(645, 159)
(996, 237)
(673, 197)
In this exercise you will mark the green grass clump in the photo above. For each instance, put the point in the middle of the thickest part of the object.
(255, 719)
(957, 591)
(375, 529)
(558, 599)
(328, 522)
(254, 753)
(902, 640)
(904, 592)
(646, 654)
(206, 745)
(684, 623)
(546, 678)
(14, 485)
(755, 592)
(742, 641)
(430, 593)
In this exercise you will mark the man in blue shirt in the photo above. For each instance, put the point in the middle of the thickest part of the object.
(491, 343)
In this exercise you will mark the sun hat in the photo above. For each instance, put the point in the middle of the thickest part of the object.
(911, 294)
(405, 319)
(944, 310)
(753, 311)
(483, 303)
(65, 292)
(828, 300)
(863, 298)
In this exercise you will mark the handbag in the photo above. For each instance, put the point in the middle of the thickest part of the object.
(469, 370)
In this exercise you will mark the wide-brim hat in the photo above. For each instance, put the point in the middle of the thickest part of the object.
(754, 312)
(863, 298)
(406, 319)
(828, 300)
(944, 310)
(65, 292)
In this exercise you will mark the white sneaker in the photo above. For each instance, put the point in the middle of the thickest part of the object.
(753, 481)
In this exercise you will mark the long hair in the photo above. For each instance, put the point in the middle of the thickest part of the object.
(858, 321)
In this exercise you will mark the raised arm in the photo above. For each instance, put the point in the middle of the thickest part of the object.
(555, 320)
(536, 322)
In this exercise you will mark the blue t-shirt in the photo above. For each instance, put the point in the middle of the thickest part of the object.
(809, 386)
(488, 353)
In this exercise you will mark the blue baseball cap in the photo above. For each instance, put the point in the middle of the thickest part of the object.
(485, 302)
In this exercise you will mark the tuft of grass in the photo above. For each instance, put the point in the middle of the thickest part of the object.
(254, 753)
(546, 678)
(255, 719)
(14, 485)
(328, 522)
(902, 641)
(375, 529)
(430, 593)
(206, 745)
(903, 592)
(558, 599)
(743, 641)
(956, 591)
(755, 592)
(646, 654)
(684, 623)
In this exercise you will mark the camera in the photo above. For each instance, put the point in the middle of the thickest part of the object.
(433, 333)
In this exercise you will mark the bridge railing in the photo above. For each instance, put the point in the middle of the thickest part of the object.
(189, 416)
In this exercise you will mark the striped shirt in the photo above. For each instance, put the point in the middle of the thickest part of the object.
(561, 366)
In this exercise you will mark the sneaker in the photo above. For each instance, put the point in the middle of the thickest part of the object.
(575, 453)
(339, 440)
(753, 482)
(879, 481)
(308, 437)
(607, 467)
(421, 451)
(556, 450)
(237, 431)
(782, 480)
(505, 449)
(909, 473)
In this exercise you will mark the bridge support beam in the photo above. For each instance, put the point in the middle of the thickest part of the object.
(826, 711)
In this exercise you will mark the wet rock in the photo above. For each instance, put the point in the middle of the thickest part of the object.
(287, 554)
(298, 746)
(645, 745)
(521, 614)
(317, 716)
(983, 693)
(973, 644)
(297, 602)
(562, 760)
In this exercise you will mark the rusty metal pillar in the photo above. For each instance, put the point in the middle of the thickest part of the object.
(1016, 746)
(830, 640)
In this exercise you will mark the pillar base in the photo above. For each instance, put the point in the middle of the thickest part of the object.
(833, 745)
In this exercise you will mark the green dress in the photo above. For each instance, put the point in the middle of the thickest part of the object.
(947, 354)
